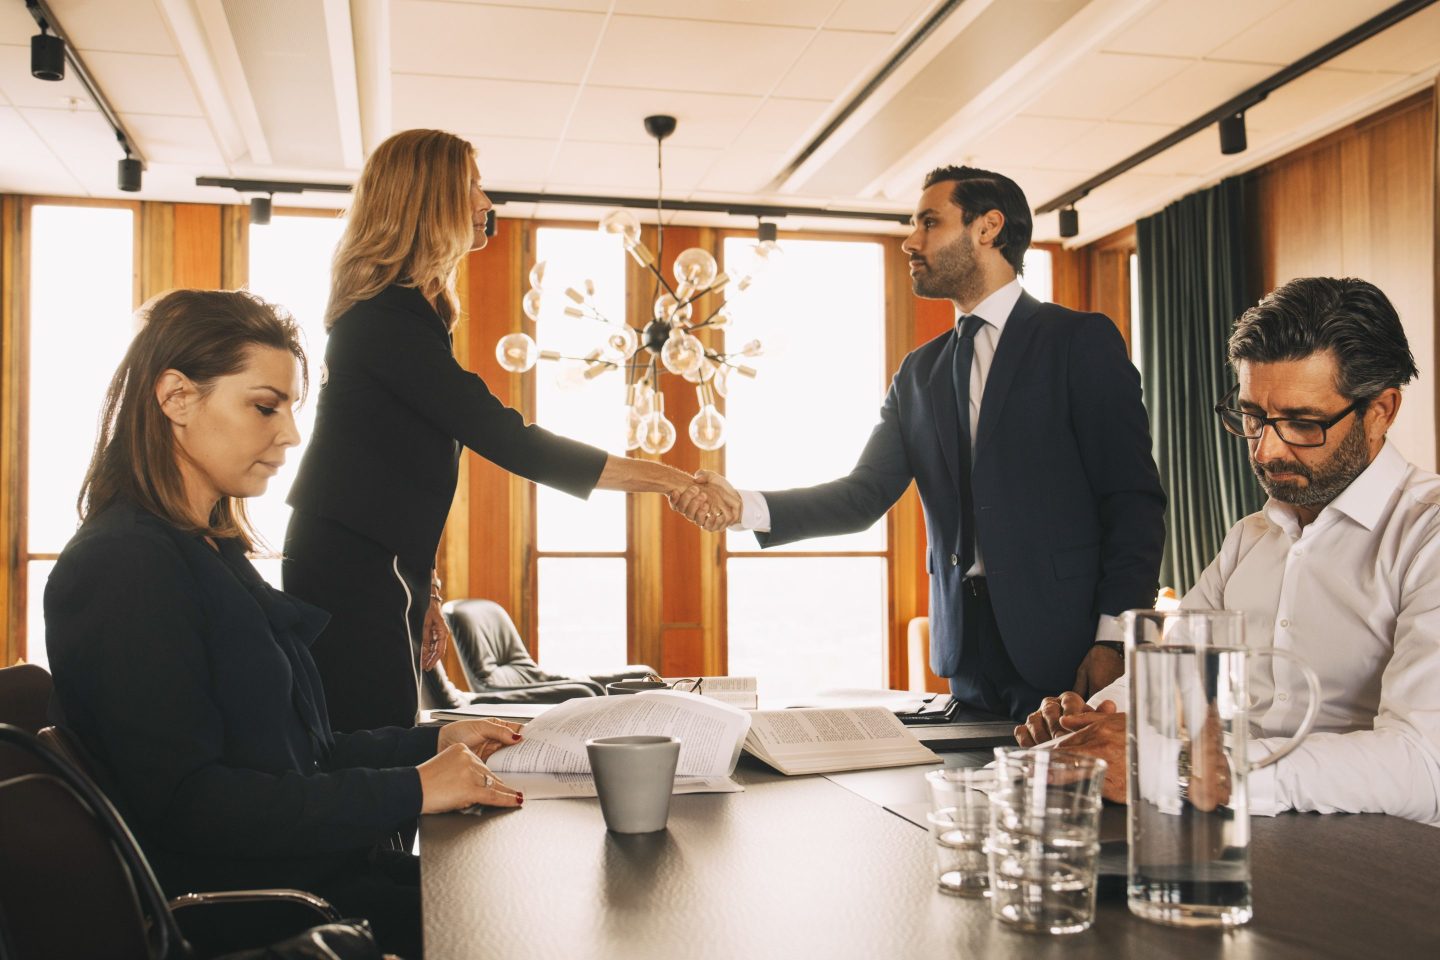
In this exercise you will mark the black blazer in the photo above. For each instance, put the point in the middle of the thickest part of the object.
(189, 679)
(1069, 511)
(394, 409)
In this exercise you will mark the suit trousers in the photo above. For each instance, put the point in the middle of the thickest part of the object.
(987, 679)
(368, 654)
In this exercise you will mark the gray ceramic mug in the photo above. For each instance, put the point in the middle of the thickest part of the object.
(634, 777)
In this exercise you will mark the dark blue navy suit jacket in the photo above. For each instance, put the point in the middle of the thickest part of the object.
(1069, 511)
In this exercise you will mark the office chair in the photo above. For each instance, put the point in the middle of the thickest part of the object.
(499, 668)
(25, 696)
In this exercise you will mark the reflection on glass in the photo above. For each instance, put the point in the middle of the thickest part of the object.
(290, 265)
(582, 614)
(81, 320)
(805, 419)
(807, 624)
(593, 411)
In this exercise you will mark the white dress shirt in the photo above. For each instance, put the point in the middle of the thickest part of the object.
(1356, 594)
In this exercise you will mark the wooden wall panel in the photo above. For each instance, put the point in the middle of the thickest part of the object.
(1362, 202)
(12, 393)
(197, 238)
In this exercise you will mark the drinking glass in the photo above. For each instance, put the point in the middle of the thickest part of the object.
(959, 824)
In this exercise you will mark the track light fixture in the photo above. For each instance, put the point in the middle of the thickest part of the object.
(47, 55)
(1232, 133)
(1069, 221)
(128, 175)
(260, 210)
(767, 232)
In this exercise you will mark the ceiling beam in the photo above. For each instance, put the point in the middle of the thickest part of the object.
(340, 38)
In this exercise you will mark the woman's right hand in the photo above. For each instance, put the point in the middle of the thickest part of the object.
(456, 778)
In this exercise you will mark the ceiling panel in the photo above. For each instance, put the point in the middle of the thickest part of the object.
(835, 62)
(790, 13)
(493, 107)
(783, 125)
(135, 26)
(23, 90)
(142, 83)
(1315, 95)
(27, 165)
(743, 171)
(1187, 28)
(16, 24)
(1038, 184)
(1408, 47)
(174, 139)
(884, 16)
(464, 40)
(83, 142)
(1105, 145)
(627, 167)
(1297, 29)
(512, 163)
(1026, 140)
(1100, 85)
(1193, 92)
(616, 115)
(646, 52)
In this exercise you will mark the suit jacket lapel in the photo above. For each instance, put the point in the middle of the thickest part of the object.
(1009, 356)
(944, 413)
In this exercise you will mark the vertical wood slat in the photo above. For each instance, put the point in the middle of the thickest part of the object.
(13, 343)
(197, 246)
(234, 247)
(157, 248)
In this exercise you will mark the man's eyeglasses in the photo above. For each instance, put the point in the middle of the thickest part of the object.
(1295, 431)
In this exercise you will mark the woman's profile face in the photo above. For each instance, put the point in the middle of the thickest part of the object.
(479, 207)
(232, 440)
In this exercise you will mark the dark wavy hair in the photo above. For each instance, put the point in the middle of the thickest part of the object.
(204, 334)
(979, 191)
(1351, 318)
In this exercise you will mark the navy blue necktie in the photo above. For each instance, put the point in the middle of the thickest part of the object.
(964, 360)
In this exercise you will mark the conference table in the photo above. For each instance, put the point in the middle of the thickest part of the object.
(800, 867)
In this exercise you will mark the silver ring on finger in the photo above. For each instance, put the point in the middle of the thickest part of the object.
(489, 780)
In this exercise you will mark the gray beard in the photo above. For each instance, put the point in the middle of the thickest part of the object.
(1327, 480)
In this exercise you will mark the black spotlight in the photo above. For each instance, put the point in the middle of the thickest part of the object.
(47, 57)
(489, 223)
(660, 125)
(1232, 133)
(128, 177)
(1069, 221)
(259, 211)
(767, 231)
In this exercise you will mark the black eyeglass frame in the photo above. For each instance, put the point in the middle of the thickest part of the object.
(1222, 408)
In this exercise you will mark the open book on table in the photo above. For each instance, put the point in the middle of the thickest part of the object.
(551, 761)
(742, 692)
(828, 740)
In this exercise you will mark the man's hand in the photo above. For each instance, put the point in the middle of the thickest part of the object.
(1045, 724)
(1101, 667)
(710, 502)
(434, 636)
(1099, 734)
(484, 737)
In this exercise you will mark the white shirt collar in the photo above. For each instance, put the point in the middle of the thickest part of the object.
(995, 309)
(1363, 501)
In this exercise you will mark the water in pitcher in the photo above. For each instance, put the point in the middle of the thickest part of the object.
(1189, 809)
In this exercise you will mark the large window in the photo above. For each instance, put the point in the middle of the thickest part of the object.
(812, 614)
(581, 571)
(82, 290)
(290, 265)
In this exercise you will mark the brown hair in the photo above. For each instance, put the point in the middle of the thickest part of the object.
(204, 334)
(409, 223)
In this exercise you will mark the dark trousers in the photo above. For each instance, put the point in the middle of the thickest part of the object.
(368, 655)
(987, 679)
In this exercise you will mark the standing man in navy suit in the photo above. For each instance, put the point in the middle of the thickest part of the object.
(1024, 431)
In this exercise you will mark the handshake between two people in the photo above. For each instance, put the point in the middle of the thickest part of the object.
(708, 501)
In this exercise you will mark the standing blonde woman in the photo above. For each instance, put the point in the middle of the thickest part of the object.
(395, 408)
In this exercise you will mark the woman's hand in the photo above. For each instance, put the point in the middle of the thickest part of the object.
(456, 778)
(483, 737)
(434, 636)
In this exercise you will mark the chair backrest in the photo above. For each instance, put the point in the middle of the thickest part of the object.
(25, 696)
(490, 649)
(75, 883)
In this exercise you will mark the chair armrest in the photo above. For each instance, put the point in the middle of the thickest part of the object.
(319, 904)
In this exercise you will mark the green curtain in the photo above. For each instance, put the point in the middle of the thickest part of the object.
(1192, 287)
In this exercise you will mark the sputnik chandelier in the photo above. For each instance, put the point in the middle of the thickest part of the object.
(666, 340)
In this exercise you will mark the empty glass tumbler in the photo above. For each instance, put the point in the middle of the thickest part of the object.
(959, 824)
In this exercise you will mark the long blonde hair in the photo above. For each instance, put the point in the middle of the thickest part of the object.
(409, 223)
(205, 334)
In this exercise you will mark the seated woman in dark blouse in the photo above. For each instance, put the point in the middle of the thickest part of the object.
(190, 679)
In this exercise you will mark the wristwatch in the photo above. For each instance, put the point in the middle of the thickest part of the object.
(1117, 645)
